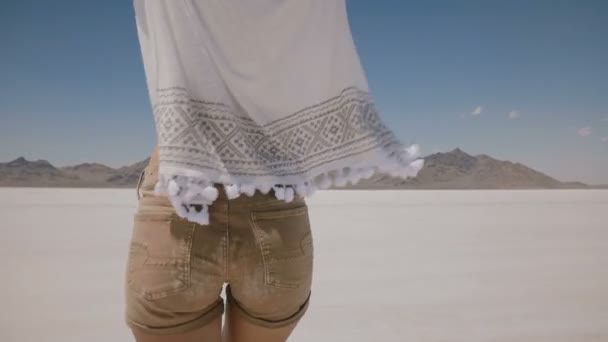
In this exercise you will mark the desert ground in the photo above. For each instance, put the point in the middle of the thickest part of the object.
(520, 265)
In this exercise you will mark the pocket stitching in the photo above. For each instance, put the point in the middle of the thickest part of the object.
(263, 249)
(281, 213)
(262, 215)
(186, 264)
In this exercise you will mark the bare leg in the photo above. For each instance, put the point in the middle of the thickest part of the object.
(238, 329)
(209, 333)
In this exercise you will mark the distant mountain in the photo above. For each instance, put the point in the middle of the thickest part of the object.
(449, 170)
(93, 174)
(128, 175)
(458, 170)
(23, 173)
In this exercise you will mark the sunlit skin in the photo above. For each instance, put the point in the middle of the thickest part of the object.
(155, 154)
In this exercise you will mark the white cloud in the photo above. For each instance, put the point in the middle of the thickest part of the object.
(604, 139)
(514, 114)
(477, 111)
(584, 132)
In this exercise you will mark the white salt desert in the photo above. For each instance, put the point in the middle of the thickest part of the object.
(389, 265)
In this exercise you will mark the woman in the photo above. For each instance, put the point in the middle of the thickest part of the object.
(177, 268)
(257, 103)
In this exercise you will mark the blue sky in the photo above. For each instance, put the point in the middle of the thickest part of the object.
(520, 80)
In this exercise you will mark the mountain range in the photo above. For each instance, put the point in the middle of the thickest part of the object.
(445, 170)
(458, 170)
(40, 173)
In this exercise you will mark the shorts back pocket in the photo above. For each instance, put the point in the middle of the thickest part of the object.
(159, 254)
(285, 239)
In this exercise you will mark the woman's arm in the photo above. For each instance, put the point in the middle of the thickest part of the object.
(155, 156)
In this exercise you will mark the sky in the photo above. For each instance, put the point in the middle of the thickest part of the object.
(519, 80)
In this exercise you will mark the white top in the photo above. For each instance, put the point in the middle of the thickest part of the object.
(255, 93)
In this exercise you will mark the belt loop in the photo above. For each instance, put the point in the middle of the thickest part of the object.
(141, 176)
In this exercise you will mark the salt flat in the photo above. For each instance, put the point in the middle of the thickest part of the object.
(389, 265)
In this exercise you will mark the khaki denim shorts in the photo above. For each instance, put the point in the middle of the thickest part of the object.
(261, 247)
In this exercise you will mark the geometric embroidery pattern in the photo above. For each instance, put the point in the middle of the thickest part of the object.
(198, 134)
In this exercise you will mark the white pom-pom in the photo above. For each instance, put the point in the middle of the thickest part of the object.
(191, 192)
(173, 188)
(210, 193)
(248, 189)
(310, 190)
(355, 176)
(411, 170)
(340, 179)
(413, 151)
(289, 194)
(415, 167)
(301, 189)
(279, 192)
(201, 217)
(232, 191)
(323, 181)
(368, 173)
(180, 210)
(264, 188)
